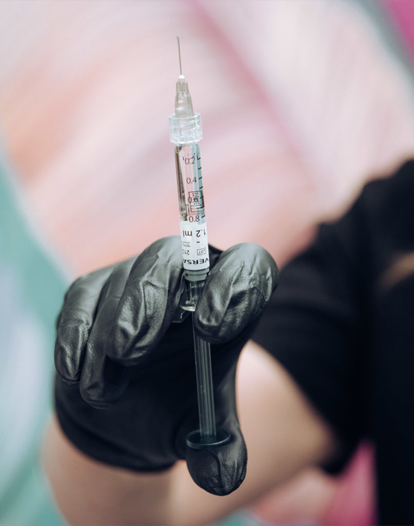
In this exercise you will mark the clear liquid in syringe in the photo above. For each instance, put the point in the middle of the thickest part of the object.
(191, 205)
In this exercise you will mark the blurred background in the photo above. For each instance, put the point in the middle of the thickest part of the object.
(302, 103)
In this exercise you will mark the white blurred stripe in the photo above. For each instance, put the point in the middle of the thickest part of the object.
(24, 380)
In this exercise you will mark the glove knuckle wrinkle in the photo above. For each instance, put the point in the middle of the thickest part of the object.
(238, 288)
(69, 349)
(140, 323)
(219, 300)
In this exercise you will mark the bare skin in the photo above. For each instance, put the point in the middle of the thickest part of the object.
(283, 433)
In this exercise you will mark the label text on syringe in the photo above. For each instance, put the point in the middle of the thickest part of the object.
(194, 245)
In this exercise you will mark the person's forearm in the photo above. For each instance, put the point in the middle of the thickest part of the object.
(93, 493)
(89, 492)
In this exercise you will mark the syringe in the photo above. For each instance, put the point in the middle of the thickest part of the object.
(185, 133)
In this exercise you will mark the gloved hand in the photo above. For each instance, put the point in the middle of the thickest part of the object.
(126, 386)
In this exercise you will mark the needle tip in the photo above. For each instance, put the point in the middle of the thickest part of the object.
(179, 54)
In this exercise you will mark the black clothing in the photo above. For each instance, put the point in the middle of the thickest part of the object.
(346, 336)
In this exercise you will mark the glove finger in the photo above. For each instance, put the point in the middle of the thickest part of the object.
(214, 254)
(103, 381)
(151, 295)
(219, 470)
(236, 291)
(75, 322)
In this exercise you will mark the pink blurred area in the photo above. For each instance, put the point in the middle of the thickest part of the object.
(317, 498)
(299, 101)
(301, 104)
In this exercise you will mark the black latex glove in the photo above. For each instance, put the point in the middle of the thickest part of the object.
(126, 385)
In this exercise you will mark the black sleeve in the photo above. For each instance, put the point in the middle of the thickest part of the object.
(316, 324)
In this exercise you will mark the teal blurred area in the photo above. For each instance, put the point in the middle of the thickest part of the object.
(31, 293)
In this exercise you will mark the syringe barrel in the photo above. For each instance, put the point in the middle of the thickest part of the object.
(193, 227)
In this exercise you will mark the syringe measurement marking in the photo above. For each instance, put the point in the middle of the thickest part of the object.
(189, 160)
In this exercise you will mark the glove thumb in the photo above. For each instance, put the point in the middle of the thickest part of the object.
(220, 469)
